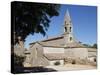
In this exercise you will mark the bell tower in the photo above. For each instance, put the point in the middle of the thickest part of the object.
(67, 24)
(68, 28)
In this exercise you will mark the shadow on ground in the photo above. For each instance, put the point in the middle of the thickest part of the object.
(18, 70)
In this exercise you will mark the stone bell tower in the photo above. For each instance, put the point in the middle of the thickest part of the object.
(68, 28)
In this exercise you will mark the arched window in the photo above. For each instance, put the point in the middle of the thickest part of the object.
(70, 38)
(65, 29)
(70, 29)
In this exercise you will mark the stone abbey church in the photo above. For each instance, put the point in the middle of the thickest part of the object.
(57, 50)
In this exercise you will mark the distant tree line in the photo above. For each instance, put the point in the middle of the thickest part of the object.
(93, 46)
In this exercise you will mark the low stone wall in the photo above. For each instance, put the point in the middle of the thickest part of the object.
(75, 61)
(81, 53)
(79, 61)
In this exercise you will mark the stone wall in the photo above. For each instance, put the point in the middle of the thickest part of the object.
(92, 54)
(36, 57)
(81, 53)
(75, 61)
(53, 50)
(19, 50)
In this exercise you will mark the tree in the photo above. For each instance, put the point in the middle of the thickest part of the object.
(94, 45)
(87, 45)
(29, 18)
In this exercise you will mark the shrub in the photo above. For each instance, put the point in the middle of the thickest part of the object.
(95, 60)
(57, 63)
(16, 63)
(73, 62)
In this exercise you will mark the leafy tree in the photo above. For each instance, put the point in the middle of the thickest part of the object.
(91, 46)
(86, 45)
(94, 45)
(29, 18)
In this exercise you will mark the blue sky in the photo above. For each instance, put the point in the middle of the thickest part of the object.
(84, 19)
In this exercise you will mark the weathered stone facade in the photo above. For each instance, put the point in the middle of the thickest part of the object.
(35, 56)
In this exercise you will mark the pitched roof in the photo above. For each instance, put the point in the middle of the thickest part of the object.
(54, 38)
(74, 44)
(58, 42)
(49, 39)
(52, 42)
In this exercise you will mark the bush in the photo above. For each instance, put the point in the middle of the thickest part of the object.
(73, 62)
(57, 63)
(95, 60)
(18, 60)
(16, 63)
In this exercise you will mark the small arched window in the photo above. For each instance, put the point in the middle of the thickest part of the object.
(70, 38)
(65, 29)
(70, 29)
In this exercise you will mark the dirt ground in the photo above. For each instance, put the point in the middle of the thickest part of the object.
(69, 67)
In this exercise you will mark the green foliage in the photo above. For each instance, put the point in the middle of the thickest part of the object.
(57, 63)
(29, 18)
(16, 63)
(94, 46)
(17, 60)
(87, 45)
